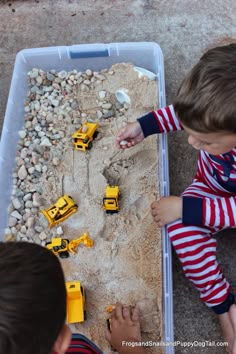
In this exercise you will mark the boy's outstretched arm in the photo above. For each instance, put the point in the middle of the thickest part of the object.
(163, 120)
(131, 134)
(125, 328)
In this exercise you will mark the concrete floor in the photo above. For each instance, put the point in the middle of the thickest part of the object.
(184, 29)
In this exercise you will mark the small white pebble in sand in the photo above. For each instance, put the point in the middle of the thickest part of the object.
(123, 142)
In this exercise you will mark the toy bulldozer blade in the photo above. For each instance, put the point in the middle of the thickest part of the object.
(61, 210)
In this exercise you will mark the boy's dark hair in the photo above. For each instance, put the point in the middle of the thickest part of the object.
(32, 298)
(206, 99)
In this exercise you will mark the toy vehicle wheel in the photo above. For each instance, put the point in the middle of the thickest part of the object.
(85, 315)
(95, 134)
(90, 144)
(64, 254)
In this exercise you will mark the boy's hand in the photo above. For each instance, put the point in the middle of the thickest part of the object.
(125, 327)
(166, 210)
(132, 134)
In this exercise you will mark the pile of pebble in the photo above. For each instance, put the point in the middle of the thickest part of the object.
(51, 106)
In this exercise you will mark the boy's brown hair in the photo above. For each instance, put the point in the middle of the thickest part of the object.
(206, 99)
(32, 298)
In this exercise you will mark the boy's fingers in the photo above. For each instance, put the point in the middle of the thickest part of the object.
(126, 313)
(154, 204)
(117, 312)
(135, 314)
(108, 335)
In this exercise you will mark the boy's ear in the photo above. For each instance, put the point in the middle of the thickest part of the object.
(63, 340)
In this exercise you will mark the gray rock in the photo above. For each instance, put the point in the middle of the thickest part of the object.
(28, 204)
(30, 222)
(12, 221)
(38, 228)
(16, 203)
(27, 197)
(45, 142)
(42, 235)
(22, 172)
(50, 77)
(16, 214)
(106, 105)
(36, 200)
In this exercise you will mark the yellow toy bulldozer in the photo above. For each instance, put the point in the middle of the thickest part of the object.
(62, 246)
(110, 201)
(75, 302)
(84, 136)
(61, 210)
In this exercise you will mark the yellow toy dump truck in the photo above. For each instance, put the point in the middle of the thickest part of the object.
(110, 201)
(84, 136)
(75, 302)
(61, 210)
(62, 246)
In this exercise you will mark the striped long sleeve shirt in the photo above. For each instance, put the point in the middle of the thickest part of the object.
(218, 173)
(82, 345)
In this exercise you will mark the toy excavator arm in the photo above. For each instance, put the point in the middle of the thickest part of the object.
(73, 244)
(85, 239)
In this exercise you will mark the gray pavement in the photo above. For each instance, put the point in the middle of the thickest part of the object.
(184, 29)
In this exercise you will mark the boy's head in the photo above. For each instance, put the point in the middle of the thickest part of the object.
(206, 100)
(32, 300)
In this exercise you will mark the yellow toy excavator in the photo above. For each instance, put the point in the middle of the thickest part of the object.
(61, 210)
(62, 246)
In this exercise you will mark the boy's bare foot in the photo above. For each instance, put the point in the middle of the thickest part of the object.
(125, 327)
(228, 326)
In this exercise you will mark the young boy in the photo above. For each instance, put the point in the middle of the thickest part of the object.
(205, 107)
(33, 307)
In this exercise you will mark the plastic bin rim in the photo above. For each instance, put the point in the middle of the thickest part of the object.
(81, 45)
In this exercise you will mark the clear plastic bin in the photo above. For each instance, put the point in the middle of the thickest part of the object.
(81, 57)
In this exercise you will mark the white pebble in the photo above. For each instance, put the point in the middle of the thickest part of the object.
(55, 161)
(31, 170)
(123, 142)
(22, 134)
(89, 72)
(102, 94)
(59, 231)
(44, 169)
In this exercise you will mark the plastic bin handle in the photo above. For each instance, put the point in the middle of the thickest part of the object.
(89, 54)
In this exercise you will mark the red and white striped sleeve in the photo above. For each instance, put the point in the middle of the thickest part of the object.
(212, 212)
(219, 212)
(163, 120)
